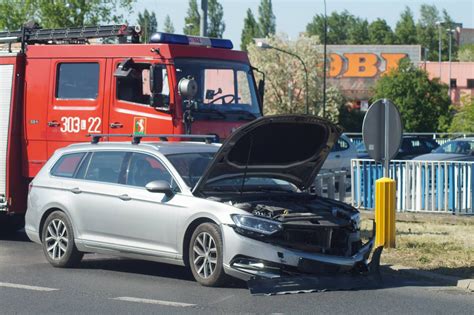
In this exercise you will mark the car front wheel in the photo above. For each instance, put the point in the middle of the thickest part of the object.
(205, 255)
(58, 241)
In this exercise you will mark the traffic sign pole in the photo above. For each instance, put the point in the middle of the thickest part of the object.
(387, 138)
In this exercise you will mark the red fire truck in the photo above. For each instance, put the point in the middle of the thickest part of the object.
(64, 84)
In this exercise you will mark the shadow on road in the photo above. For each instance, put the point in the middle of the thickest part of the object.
(18, 236)
(143, 267)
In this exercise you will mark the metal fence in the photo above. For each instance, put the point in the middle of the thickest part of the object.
(440, 137)
(425, 186)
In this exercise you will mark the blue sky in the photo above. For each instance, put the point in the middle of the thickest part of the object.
(293, 15)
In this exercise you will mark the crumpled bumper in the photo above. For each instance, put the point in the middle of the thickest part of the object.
(249, 259)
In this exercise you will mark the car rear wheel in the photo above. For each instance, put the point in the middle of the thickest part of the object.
(205, 255)
(58, 241)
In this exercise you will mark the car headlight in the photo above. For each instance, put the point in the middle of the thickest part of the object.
(355, 219)
(256, 224)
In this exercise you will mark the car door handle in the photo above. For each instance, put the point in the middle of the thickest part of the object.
(116, 125)
(337, 156)
(76, 190)
(125, 197)
(53, 123)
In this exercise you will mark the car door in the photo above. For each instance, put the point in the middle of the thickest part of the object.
(75, 106)
(130, 110)
(96, 194)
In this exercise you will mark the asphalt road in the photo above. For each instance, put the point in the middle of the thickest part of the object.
(28, 284)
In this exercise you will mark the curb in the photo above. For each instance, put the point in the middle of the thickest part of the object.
(466, 284)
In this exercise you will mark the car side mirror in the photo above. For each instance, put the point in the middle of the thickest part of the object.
(160, 186)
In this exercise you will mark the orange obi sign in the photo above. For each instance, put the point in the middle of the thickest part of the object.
(362, 65)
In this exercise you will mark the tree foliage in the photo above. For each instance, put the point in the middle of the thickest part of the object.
(343, 28)
(168, 26)
(405, 30)
(250, 30)
(148, 23)
(424, 104)
(380, 33)
(464, 117)
(58, 14)
(266, 18)
(192, 19)
(215, 25)
(285, 76)
(466, 52)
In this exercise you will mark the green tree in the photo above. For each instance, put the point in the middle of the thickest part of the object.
(405, 30)
(358, 32)
(462, 120)
(466, 52)
(148, 23)
(380, 33)
(250, 30)
(427, 30)
(215, 24)
(343, 28)
(424, 104)
(192, 19)
(168, 25)
(57, 14)
(15, 13)
(285, 77)
(266, 18)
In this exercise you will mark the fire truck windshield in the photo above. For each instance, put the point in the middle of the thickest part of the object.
(226, 89)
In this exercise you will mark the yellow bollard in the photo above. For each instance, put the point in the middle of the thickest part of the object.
(385, 212)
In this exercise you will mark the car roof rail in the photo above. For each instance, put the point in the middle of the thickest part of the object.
(136, 139)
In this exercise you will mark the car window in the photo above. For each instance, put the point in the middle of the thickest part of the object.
(66, 166)
(191, 166)
(457, 147)
(105, 166)
(144, 168)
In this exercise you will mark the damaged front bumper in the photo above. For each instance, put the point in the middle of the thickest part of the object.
(249, 259)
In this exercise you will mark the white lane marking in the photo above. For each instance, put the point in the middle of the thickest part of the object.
(149, 301)
(25, 287)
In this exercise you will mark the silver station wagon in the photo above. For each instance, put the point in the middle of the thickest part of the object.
(239, 209)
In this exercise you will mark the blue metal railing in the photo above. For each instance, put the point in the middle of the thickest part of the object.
(440, 137)
(428, 186)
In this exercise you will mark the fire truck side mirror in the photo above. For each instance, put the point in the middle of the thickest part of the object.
(261, 92)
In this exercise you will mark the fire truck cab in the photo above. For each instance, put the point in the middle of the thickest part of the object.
(53, 94)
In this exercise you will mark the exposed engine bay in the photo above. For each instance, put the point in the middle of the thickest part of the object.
(309, 223)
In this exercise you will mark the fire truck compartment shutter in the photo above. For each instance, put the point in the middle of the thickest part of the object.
(6, 82)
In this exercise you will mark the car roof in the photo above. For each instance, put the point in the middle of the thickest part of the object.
(163, 147)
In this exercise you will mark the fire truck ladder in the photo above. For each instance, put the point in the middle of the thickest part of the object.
(32, 35)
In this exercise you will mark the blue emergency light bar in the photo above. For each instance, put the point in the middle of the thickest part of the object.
(168, 38)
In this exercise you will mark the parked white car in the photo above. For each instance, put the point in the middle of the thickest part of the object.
(239, 209)
(341, 154)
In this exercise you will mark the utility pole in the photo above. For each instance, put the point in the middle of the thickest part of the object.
(439, 46)
(203, 24)
(450, 33)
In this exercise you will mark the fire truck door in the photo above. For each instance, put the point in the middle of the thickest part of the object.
(130, 110)
(76, 101)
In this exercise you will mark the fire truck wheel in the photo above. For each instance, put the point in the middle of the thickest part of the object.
(205, 256)
(58, 241)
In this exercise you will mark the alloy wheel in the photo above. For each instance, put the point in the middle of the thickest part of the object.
(56, 239)
(205, 254)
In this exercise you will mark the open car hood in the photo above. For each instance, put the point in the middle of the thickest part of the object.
(292, 148)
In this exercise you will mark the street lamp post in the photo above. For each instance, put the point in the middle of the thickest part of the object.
(263, 45)
(439, 47)
(450, 33)
(325, 59)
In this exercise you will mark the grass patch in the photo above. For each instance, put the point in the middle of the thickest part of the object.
(440, 243)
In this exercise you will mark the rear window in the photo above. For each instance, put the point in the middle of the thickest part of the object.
(66, 166)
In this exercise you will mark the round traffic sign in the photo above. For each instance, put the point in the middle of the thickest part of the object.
(382, 124)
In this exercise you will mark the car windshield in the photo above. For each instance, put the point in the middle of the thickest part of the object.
(225, 88)
(457, 147)
(191, 167)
